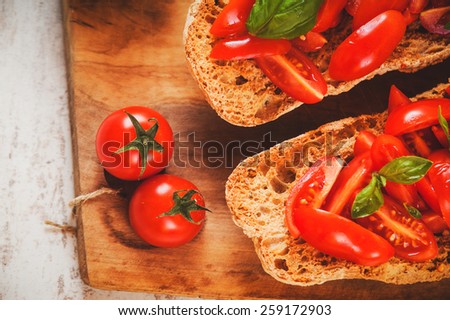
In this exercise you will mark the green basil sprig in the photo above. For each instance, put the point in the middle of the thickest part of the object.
(404, 170)
(413, 211)
(282, 19)
(444, 124)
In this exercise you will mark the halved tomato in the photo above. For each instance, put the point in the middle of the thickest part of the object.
(409, 236)
(416, 116)
(311, 189)
(328, 15)
(340, 237)
(369, 9)
(352, 178)
(231, 20)
(295, 74)
(248, 47)
(368, 47)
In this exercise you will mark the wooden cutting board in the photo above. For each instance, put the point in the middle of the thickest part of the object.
(123, 53)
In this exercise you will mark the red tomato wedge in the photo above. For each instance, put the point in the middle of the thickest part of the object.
(368, 47)
(417, 115)
(231, 20)
(434, 221)
(295, 74)
(248, 47)
(311, 189)
(340, 237)
(439, 175)
(411, 239)
(352, 178)
(369, 9)
(396, 99)
(310, 42)
(363, 142)
(328, 15)
(385, 149)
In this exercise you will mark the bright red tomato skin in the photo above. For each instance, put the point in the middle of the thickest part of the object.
(369, 9)
(363, 142)
(153, 198)
(417, 115)
(368, 47)
(117, 130)
(340, 237)
(248, 47)
(295, 74)
(410, 237)
(439, 175)
(231, 20)
(352, 178)
(329, 14)
(311, 189)
(396, 99)
(434, 221)
(312, 41)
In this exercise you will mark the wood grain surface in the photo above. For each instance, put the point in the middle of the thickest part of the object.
(131, 53)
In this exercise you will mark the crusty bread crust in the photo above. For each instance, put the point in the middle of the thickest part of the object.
(256, 192)
(242, 95)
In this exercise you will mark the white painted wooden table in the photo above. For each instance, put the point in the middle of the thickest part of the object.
(36, 177)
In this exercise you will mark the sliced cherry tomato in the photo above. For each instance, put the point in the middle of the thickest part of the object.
(434, 222)
(396, 99)
(248, 47)
(295, 74)
(439, 175)
(311, 189)
(369, 9)
(310, 42)
(385, 149)
(435, 20)
(328, 14)
(146, 144)
(416, 116)
(363, 142)
(417, 6)
(352, 6)
(352, 178)
(368, 47)
(340, 237)
(411, 239)
(231, 20)
(167, 211)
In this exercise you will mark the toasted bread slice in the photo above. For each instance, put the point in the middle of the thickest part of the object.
(242, 95)
(256, 192)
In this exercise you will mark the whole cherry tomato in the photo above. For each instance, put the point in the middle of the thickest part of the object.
(134, 143)
(368, 47)
(329, 14)
(167, 211)
(369, 9)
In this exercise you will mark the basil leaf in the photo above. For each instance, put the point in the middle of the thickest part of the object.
(282, 19)
(444, 124)
(369, 199)
(414, 212)
(406, 170)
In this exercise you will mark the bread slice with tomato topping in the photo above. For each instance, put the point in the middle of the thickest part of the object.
(257, 191)
(242, 95)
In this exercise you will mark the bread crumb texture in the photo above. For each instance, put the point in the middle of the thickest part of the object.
(242, 95)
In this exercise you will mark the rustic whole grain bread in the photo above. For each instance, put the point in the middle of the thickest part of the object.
(256, 192)
(242, 95)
